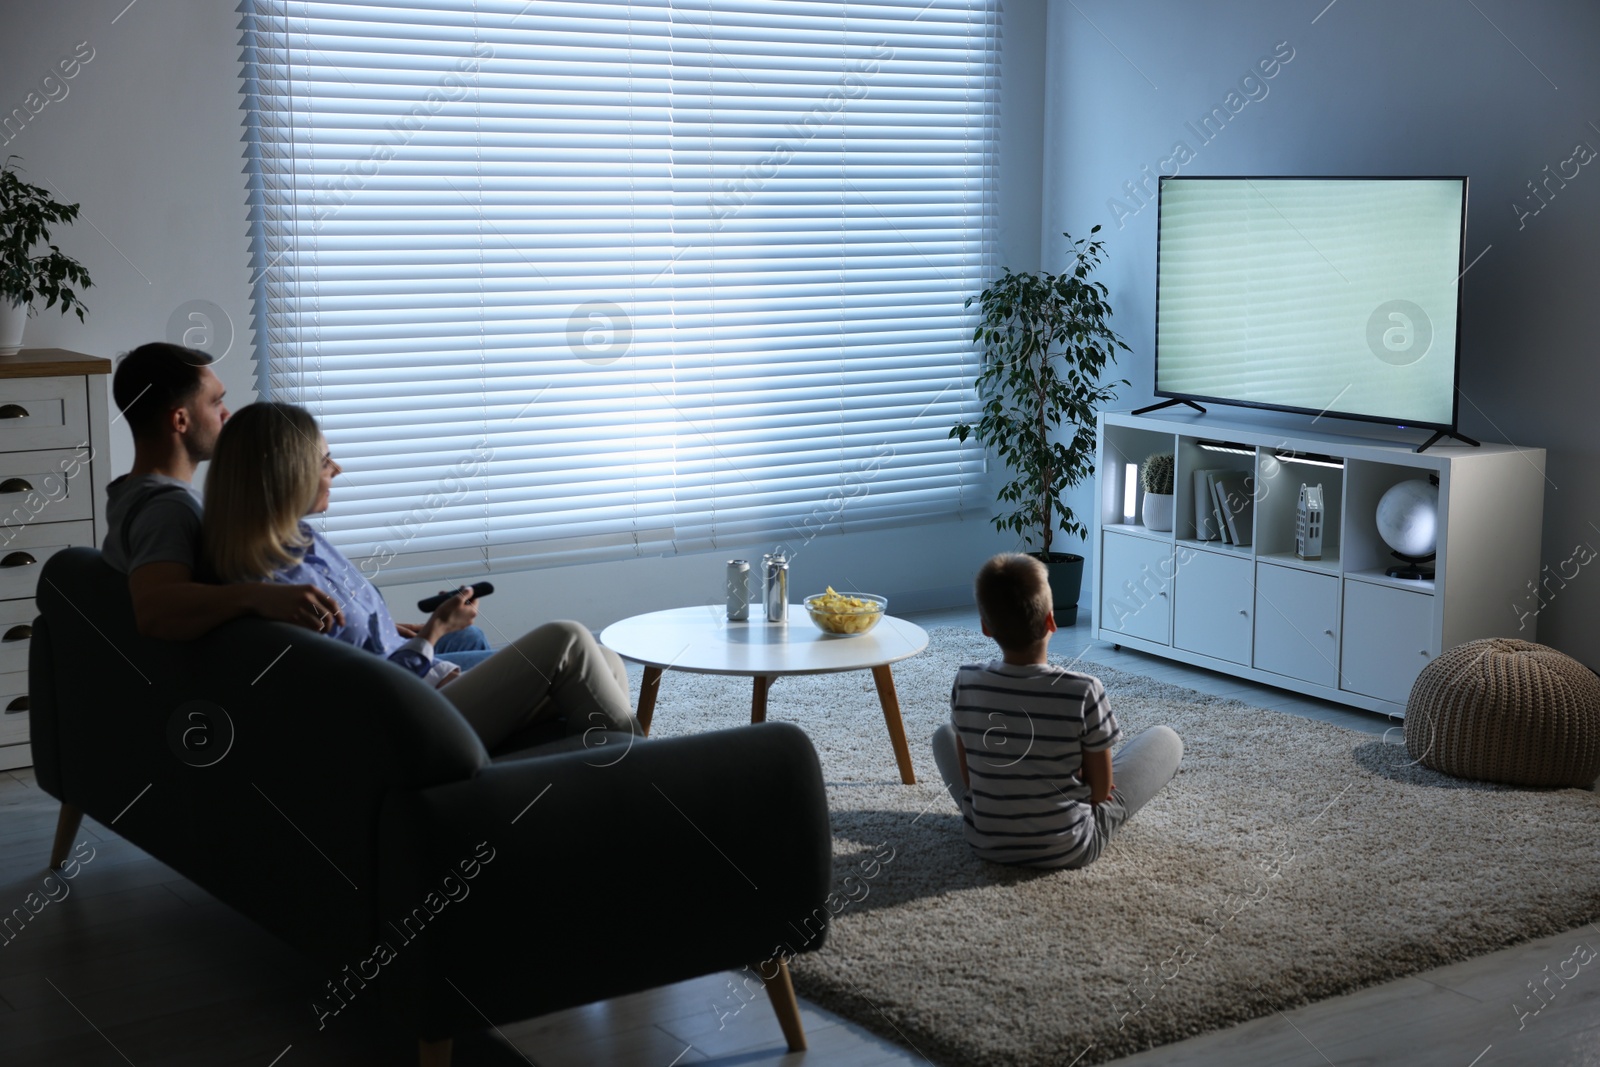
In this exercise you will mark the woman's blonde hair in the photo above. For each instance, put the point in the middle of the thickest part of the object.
(263, 479)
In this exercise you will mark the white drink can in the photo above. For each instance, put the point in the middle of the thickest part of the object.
(738, 590)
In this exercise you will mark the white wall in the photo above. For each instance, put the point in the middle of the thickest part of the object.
(1424, 87)
(147, 139)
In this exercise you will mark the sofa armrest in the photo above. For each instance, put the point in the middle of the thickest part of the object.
(557, 880)
(255, 760)
(42, 711)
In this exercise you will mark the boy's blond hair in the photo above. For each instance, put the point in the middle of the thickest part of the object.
(1013, 592)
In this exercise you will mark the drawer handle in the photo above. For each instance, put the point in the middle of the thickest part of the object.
(15, 485)
(20, 632)
(17, 559)
(18, 704)
(13, 411)
(1245, 613)
(1328, 632)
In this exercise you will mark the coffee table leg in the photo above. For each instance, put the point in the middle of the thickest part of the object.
(891, 716)
(648, 685)
(758, 698)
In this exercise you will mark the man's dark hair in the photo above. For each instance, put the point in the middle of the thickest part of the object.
(1013, 593)
(154, 379)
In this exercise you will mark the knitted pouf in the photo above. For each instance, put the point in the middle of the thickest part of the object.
(1503, 710)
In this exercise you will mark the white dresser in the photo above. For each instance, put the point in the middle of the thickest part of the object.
(1339, 626)
(54, 466)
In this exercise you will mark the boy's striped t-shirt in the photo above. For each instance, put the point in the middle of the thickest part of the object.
(1024, 730)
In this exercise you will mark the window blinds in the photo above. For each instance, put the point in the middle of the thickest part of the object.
(569, 281)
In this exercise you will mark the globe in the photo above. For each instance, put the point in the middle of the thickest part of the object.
(1408, 518)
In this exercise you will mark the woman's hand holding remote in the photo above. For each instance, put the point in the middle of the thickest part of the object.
(456, 613)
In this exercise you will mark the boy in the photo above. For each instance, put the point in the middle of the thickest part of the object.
(1027, 753)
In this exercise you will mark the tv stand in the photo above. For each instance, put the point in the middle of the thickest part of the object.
(1168, 404)
(1439, 435)
(1340, 627)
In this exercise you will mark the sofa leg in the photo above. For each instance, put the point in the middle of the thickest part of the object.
(66, 829)
(434, 1053)
(780, 990)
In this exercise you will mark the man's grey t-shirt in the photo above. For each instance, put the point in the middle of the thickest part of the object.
(164, 526)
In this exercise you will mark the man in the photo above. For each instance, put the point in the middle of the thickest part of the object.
(174, 407)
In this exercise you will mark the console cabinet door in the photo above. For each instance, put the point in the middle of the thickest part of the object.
(1297, 624)
(1136, 586)
(1388, 639)
(1214, 605)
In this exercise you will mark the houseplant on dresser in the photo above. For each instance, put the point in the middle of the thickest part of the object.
(26, 212)
(1046, 342)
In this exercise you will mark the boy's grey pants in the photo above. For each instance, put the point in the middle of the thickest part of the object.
(1140, 768)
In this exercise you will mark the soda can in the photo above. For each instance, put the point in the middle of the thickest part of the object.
(738, 590)
(775, 588)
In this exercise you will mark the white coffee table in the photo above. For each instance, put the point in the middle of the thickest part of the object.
(701, 640)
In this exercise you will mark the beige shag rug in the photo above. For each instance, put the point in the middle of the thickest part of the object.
(1289, 861)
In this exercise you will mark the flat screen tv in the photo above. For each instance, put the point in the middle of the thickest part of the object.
(1328, 296)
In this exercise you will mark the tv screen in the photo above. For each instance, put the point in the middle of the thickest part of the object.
(1336, 296)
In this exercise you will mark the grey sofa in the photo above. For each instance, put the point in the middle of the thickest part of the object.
(346, 807)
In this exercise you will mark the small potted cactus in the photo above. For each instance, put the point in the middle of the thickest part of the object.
(1156, 476)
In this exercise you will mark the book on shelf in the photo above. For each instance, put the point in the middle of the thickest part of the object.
(1215, 480)
(1207, 518)
(1236, 495)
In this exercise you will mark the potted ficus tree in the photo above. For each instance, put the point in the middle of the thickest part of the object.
(30, 266)
(1046, 343)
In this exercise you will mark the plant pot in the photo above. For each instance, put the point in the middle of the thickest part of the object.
(1157, 511)
(13, 319)
(1066, 583)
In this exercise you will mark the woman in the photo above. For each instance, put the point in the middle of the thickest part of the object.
(270, 469)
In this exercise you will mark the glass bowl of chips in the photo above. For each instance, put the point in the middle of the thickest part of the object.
(846, 614)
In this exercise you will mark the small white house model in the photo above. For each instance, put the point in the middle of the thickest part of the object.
(1308, 523)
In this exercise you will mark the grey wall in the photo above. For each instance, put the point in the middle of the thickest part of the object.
(1421, 87)
(147, 139)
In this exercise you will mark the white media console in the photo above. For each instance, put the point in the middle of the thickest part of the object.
(1339, 627)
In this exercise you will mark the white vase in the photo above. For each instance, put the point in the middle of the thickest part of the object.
(13, 318)
(1157, 511)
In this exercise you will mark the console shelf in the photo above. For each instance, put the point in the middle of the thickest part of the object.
(1338, 627)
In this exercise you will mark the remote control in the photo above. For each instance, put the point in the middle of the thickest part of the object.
(431, 604)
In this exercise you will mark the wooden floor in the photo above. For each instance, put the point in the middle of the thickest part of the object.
(137, 966)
